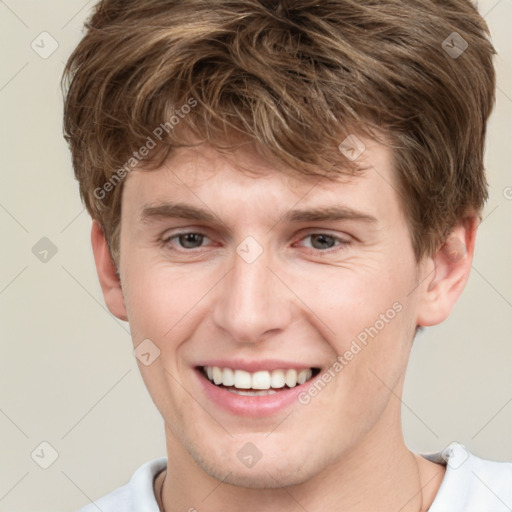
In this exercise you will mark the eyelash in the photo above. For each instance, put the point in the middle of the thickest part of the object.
(166, 240)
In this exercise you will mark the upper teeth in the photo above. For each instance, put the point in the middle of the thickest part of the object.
(258, 380)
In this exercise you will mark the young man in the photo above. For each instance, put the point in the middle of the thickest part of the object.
(283, 194)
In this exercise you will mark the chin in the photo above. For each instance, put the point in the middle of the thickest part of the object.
(264, 478)
(265, 474)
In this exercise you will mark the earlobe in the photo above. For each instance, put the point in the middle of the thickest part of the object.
(107, 273)
(448, 274)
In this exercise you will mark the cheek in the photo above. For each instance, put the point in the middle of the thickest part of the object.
(369, 317)
(356, 302)
(159, 297)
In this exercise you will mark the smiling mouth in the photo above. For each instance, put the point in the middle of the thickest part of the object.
(258, 383)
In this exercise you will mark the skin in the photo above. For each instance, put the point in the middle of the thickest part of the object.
(302, 300)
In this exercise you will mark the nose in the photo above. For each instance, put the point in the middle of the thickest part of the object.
(252, 302)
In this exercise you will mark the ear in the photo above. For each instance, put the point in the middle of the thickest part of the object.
(448, 274)
(107, 273)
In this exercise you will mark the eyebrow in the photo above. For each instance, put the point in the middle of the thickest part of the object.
(185, 211)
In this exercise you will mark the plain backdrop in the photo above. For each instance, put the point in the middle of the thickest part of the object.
(68, 376)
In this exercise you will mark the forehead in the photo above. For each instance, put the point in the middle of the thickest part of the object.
(243, 183)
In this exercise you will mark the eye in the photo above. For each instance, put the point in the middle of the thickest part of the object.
(323, 241)
(189, 240)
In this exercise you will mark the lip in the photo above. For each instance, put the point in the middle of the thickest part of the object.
(251, 406)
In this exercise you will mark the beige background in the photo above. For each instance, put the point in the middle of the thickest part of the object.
(67, 373)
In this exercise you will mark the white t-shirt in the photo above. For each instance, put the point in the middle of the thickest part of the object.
(470, 484)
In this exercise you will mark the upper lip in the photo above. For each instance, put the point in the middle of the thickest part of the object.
(257, 365)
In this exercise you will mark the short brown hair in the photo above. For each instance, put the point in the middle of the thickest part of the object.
(294, 78)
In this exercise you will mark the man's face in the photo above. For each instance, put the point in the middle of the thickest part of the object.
(255, 290)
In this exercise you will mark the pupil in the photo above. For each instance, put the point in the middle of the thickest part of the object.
(324, 237)
(185, 239)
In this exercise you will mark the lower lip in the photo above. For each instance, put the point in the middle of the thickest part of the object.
(251, 406)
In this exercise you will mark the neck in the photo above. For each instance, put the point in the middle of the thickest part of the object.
(380, 474)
